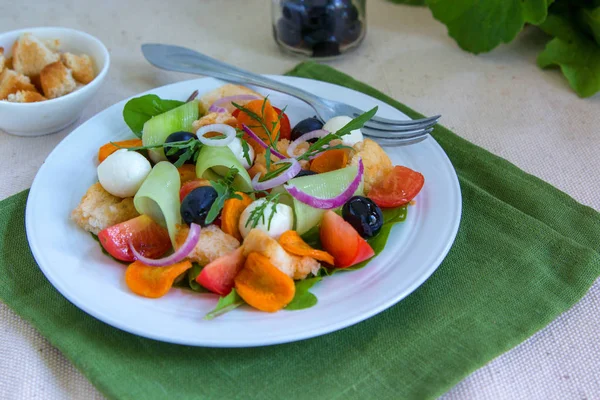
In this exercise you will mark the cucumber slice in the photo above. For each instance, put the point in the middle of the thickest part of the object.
(326, 185)
(214, 163)
(158, 197)
(158, 128)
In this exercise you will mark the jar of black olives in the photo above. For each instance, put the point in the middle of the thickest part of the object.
(319, 28)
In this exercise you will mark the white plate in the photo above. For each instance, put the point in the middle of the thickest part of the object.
(73, 262)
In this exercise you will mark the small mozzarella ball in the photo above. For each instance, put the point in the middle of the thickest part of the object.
(123, 172)
(337, 123)
(238, 151)
(283, 219)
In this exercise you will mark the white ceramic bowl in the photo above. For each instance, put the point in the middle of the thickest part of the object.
(35, 119)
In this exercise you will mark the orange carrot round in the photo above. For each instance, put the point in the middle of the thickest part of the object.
(329, 160)
(293, 243)
(269, 118)
(110, 148)
(153, 282)
(262, 285)
(230, 216)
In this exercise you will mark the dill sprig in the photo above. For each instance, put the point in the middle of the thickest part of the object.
(191, 146)
(258, 214)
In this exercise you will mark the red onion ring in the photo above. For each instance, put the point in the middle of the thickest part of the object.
(216, 106)
(285, 176)
(261, 143)
(319, 133)
(334, 202)
(180, 254)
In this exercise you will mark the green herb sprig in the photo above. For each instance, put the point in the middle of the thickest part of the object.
(192, 149)
(225, 191)
(258, 214)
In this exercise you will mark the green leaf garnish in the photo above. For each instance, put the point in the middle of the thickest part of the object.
(225, 190)
(140, 109)
(257, 215)
(303, 298)
(225, 304)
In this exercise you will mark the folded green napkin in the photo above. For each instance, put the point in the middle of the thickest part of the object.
(525, 253)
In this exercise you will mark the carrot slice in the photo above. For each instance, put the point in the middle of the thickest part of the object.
(153, 282)
(187, 172)
(110, 148)
(293, 243)
(262, 285)
(230, 216)
(269, 117)
(329, 160)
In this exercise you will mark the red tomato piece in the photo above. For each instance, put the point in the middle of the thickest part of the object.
(399, 187)
(218, 276)
(148, 238)
(188, 186)
(342, 241)
(285, 129)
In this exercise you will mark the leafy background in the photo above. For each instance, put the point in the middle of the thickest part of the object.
(479, 26)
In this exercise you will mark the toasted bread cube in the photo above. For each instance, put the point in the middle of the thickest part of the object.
(212, 244)
(215, 118)
(12, 82)
(25, 96)
(83, 70)
(57, 80)
(2, 59)
(375, 160)
(99, 209)
(225, 91)
(8, 63)
(31, 55)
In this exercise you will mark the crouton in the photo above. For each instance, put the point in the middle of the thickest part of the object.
(25, 96)
(81, 66)
(375, 160)
(8, 62)
(225, 91)
(99, 209)
(215, 118)
(212, 244)
(31, 55)
(2, 59)
(12, 82)
(57, 80)
(293, 266)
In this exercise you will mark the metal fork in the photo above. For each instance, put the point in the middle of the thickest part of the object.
(386, 131)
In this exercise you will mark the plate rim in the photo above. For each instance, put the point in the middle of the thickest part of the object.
(434, 265)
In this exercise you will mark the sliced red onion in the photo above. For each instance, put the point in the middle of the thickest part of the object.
(285, 176)
(180, 254)
(226, 130)
(334, 202)
(217, 105)
(319, 133)
(261, 143)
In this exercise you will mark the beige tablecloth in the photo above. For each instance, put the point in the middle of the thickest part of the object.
(500, 101)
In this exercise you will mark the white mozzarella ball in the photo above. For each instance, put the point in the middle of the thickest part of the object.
(282, 220)
(238, 150)
(337, 123)
(123, 172)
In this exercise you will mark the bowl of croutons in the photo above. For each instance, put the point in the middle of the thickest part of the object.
(47, 77)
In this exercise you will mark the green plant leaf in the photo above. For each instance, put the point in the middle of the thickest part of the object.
(576, 54)
(479, 26)
(140, 109)
(225, 304)
(591, 19)
(303, 298)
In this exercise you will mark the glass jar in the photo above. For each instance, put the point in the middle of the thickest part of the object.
(319, 28)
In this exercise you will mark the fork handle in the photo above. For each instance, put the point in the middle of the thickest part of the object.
(181, 59)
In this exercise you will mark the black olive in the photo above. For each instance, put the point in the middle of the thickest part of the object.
(305, 172)
(177, 137)
(195, 206)
(305, 126)
(364, 216)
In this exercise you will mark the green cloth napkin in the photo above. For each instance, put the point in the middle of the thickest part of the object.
(525, 253)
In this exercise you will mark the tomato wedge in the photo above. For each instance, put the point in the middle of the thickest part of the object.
(399, 187)
(188, 186)
(148, 237)
(342, 241)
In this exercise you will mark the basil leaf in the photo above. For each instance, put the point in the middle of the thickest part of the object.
(140, 109)
(303, 298)
(192, 275)
(225, 304)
